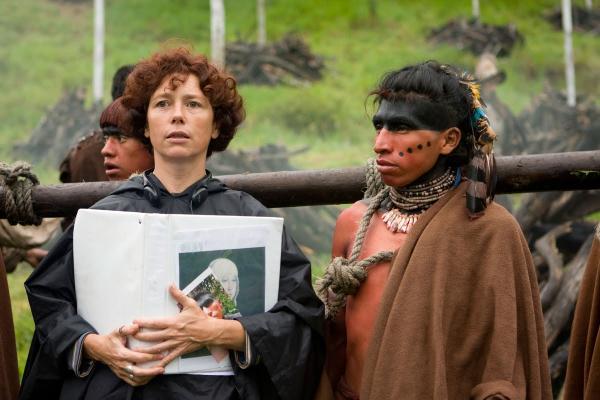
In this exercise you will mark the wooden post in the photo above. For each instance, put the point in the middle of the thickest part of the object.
(516, 174)
(217, 32)
(98, 74)
(475, 9)
(567, 21)
(261, 16)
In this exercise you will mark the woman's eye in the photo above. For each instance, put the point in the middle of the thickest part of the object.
(162, 103)
(194, 104)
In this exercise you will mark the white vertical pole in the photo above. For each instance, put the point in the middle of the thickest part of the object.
(475, 9)
(262, 23)
(98, 50)
(588, 4)
(217, 32)
(569, 62)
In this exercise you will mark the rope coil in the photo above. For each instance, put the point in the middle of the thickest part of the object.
(344, 276)
(17, 181)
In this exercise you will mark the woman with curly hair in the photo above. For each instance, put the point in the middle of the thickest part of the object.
(187, 108)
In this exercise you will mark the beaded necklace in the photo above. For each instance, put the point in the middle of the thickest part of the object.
(410, 202)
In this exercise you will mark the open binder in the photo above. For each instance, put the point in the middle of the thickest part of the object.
(125, 261)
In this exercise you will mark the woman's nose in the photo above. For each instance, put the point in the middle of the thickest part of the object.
(177, 115)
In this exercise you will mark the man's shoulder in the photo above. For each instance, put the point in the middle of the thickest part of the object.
(355, 211)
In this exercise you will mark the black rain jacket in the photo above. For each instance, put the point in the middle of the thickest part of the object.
(288, 338)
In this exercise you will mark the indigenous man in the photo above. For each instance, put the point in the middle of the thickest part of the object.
(456, 314)
(84, 162)
(583, 367)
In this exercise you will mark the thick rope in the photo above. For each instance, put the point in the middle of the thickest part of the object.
(16, 182)
(344, 276)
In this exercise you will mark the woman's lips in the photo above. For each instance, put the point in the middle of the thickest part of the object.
(178, 137)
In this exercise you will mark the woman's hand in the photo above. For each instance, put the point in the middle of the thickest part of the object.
(110, 350)
(188, 331)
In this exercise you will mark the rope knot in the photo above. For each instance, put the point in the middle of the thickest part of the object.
(16, 182)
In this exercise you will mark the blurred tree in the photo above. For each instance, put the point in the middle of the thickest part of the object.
(373, 8)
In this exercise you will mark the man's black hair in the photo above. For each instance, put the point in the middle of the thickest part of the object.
(118, 82)
(438, 85)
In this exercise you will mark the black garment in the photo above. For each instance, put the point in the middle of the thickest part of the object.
(288, 338)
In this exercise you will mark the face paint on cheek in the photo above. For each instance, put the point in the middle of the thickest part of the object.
(401, 154)
(420, 146)
(428, 144)
(410, 150)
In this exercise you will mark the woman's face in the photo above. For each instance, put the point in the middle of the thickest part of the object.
(229, 280)
(180, 120)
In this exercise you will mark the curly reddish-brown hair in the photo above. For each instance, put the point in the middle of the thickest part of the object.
(218, 86)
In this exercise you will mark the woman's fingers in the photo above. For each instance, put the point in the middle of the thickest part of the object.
(173, 355)
(137, 371)
(128, 330)
(161, 347)
(135, 375)
(154, 323)
(181, 298)
(134, 356)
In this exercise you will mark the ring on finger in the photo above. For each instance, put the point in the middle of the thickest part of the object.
(129, 370)
(131, 376)
(121, 330)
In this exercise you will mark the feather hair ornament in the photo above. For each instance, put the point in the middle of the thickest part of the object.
(481, 171)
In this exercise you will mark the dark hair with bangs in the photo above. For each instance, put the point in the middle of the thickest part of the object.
(116, 119)
(219, 88)
(437, 84)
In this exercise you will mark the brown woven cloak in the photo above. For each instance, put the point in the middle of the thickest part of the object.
(9, 373)
(460, 316)
(583, 368)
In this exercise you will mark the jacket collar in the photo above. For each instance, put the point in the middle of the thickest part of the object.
(153, 190)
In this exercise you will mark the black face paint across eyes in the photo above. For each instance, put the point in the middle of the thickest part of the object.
(415, 115)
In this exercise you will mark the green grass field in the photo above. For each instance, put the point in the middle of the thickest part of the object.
(46, 47)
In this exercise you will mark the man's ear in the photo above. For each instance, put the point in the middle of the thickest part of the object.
(450, 140)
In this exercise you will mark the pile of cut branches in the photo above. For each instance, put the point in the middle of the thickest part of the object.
(478, 38)
(286, 61)
(554, 222)
(584, 20)
(62, 126)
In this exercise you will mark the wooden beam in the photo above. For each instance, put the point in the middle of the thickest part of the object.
(516, 174)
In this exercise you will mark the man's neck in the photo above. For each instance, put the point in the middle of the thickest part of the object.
(176, 177)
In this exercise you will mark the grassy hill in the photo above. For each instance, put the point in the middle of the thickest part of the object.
(46, 47)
